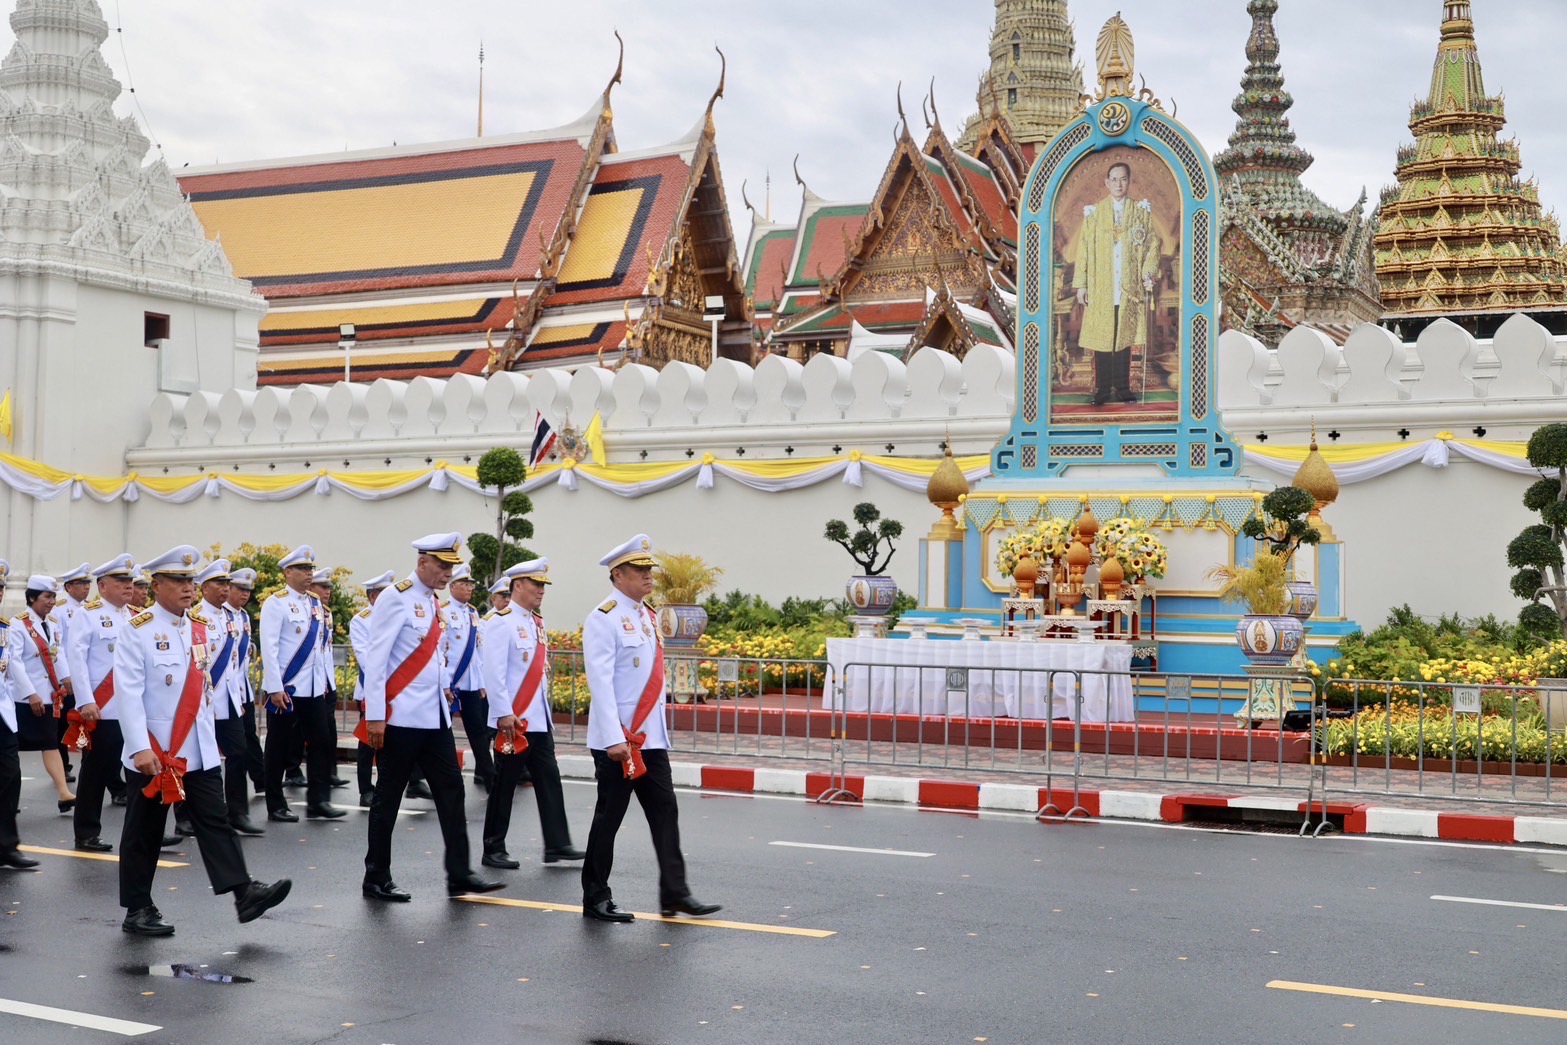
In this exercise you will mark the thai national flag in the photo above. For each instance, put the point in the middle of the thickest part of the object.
(543, 441)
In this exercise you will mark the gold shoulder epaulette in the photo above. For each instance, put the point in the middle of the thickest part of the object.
(364, 612)
(197, 617)
(500, 613)
(93, 603)
(404, 584)
(141, 618)
(18, 618)
(611, 604)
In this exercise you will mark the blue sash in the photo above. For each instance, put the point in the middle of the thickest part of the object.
(302, 655)
(223, 661)
(467, 653)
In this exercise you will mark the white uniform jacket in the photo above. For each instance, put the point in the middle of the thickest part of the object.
(402, 618)
(462, 627)
(223, 633)
(14, 683)
(67, 610)
(25, 651)
(285, 625)
(150, 664)
(359, 642)
(619, 644)
(511, 642)
(97, 630)
(245, 650)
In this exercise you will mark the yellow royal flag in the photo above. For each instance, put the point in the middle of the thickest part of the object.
(595, 437)
(5, 415)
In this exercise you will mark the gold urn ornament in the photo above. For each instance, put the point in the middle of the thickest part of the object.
(946, 490)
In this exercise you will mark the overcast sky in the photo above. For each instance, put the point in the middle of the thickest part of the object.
(224, 80)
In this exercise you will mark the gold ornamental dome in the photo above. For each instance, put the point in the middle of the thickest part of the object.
(946, 490)
(1315, 477)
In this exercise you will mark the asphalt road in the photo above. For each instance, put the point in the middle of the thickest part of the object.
(1005, 931)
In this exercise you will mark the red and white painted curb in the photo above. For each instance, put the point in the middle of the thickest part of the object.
(1359, 818)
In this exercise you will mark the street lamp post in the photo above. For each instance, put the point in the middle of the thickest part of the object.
(345, 340)
(713, 312)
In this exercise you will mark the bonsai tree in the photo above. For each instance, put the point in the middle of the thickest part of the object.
(1538, 552)
(1280, 527)
(864, 545)
(502, 469)
(684, 580)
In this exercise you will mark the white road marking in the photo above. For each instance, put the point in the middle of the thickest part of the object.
(76, 1019)
(851, 849)
(1504, 903)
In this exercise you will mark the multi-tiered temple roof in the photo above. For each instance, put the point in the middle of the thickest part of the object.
(536, 249)
(1460, 232)
(1286, 256)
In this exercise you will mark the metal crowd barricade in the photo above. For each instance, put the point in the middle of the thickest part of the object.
(1480, 744)
(1029, 722)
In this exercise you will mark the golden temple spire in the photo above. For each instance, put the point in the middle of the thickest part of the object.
(1032, 81)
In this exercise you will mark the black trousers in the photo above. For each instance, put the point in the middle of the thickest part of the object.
(435, 752)
(236, 753)
(476, 727)
(310, 722)
(364, 761)
(255, 759)
(145, 819)
(10, 789)
(656, 791)
(539, 760)
(100, 764)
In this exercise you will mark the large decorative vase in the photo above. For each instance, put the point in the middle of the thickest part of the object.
(1111, 578)
(1303, 599)
(872, 596)
(1025, 575)
(681, 625)
(1268, 639)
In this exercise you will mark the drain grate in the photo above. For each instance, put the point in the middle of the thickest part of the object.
(181, 971)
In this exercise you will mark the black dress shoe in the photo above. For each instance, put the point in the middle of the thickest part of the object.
(146, 921)
(366, 797)
(15, 859)
(70, 775)
(471, 883)
(119, 800)
(419, 790)
(66, 804)
(500, 860)
(606, 911)
(283, 816)
(170, 841)
(690, 905)
(553, 856)
(388, 891)
(245, 826)
(184, 829)
(295, 780)
(325, 811)
(258, 898)
(484, 783)
(93, 845)
(338, 781)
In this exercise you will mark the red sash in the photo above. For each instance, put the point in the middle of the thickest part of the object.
(168, 786)
(56, 694)
(521, 702)
(79, 735)
(407, 671)
(635, 737)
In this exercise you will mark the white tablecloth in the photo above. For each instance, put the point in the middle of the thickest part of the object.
(1033, 680)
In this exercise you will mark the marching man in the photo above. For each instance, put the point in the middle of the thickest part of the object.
(408, 721)
(95, 724)
(465, 681)
(516, 666)
(10, 765)
(242, 583)
(623, 658)
(228, 690)
(358, 641)
(297, 678)
(171, 748)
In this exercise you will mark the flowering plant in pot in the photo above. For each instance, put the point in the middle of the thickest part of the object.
(1271, 631)
(871, 547)
(680, 583)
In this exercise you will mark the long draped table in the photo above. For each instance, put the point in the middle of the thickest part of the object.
(1029, 680)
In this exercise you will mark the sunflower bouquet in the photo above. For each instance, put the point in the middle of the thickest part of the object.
(1046, 539)
(1130, 542)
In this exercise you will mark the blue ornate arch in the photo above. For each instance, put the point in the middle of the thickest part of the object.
(1192, 446)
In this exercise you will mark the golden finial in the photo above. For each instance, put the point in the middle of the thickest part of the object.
(946, 490)
(1317, 478)
(1115, 54)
